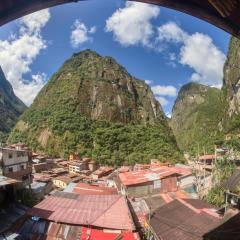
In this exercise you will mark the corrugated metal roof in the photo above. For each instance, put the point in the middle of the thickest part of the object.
(7, 181)
(98, 210)
(95, 234)
(43, 229)
(233, 182)
(178, 220)
(87, 189)
(151, 174)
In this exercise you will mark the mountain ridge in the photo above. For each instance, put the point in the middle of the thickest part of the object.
(11, 107)
(93, 106)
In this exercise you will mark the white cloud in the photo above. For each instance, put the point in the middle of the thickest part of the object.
(148, 82)
(31, 89)
(81, 34)
(163, 101)
(197, 52)
(131, 25)
(35, 21)
(200, 54)
(18, 53)
(159, 90)
(171, 32)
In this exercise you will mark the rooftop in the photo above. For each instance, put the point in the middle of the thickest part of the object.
(90, 210)
(87, 189)
(7, 181)
(42, 229)
(233, 182)
(181, 220)
(151, 174)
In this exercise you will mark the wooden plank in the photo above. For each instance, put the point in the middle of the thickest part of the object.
(225, 8)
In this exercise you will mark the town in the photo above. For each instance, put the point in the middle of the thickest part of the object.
(119, 120)
(76, 198)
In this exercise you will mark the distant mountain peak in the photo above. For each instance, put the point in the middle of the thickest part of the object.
(11, 107)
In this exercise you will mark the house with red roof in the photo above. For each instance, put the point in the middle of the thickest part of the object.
(97, 211)
(153, 180)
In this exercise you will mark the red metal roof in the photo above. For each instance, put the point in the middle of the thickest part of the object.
(152, 174)
(108, 211)
(94, 234)
(87, 189)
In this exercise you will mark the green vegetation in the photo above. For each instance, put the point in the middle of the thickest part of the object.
(11, 107)
(223, 170)
(27, 197)
(3, 137)
(94, 107)
(196, 116)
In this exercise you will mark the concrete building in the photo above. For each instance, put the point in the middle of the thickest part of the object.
(15, 163)
(62, 181)
(154, 180)
(101, 172)
(77, 167)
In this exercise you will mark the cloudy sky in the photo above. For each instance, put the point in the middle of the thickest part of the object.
(163, 47)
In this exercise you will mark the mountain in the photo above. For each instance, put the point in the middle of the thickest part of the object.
(93, 106)
(196, 115)
(231, 88)
(11, 107)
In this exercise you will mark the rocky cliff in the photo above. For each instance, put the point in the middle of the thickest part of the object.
(231, 88)
(11, 107)
(93, 106)
(196, 115)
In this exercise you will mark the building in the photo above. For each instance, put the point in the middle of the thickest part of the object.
(97, 211)
(40, 189)
(74, 157)
(77, 167)
(61, 181)
(232, 190)
(153, 180)
(228, 230)
(44, 229)
(101, 172)
(15, 163)
(88, 189)
(184, 219)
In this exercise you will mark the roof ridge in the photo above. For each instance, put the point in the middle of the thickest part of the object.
(189, 206)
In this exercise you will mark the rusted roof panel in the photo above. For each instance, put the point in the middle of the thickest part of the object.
(233, 182)
(151, 174)
(179, 220)
(98, 210)
(87, 189)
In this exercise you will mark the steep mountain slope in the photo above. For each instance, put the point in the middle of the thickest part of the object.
(196, 115)
(93, 106)
(11, 107)
(231, 88)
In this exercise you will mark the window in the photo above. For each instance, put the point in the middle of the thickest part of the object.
(10, 155)
(22, 167)
(10, 169)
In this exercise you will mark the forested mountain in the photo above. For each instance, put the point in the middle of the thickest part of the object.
(203, 116)
(196, 115)
(11, 107)
(93, 106)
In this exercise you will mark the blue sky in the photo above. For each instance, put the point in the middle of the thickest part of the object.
(164, 47)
